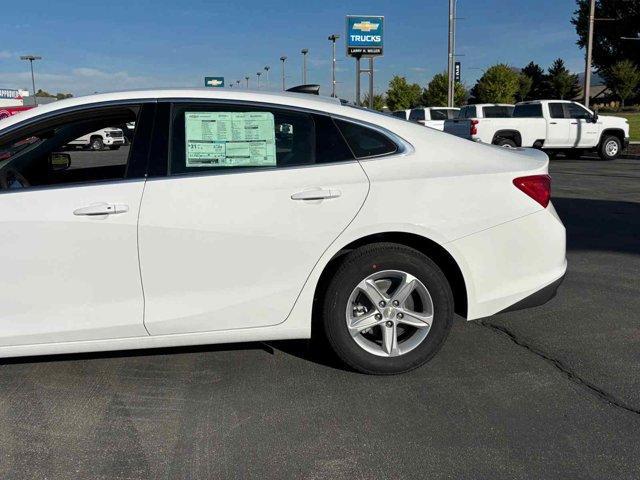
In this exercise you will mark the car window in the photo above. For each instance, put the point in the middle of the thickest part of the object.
(226, 137)
(400, 114)
(416, 115)
(469, 112)
(439, 114)
(366, 142)
(497, 111)
(81, 148)
(577, 111)
(556, 110)
(528, 110)
(453, 114)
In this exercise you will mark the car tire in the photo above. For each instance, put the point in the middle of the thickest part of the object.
(506, 143)
(610, 147)
(367, 351)
(96, 144)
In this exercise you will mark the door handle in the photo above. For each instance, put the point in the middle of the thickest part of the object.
(574, 123)
(553, 123)
(316, 194)
(101, 209)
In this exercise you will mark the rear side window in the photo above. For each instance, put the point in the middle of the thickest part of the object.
(330, 145)
(497, 111)
(400, 114)
(365, 142)
(468, 112)
(439, 114)
(556, 110)
(416, 115)
(529, 110)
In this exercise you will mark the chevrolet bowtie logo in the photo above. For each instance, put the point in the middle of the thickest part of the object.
(365, 26)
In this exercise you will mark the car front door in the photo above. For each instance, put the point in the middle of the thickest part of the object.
(248, 206)
(584, 132)
(68, 232)
(558, 126)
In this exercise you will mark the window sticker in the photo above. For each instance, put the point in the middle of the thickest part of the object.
(230, 139)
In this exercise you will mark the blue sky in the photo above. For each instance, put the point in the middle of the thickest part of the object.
(104, 46)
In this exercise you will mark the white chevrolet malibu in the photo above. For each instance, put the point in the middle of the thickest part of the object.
(236, 216)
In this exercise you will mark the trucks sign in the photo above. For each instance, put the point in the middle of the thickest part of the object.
(9, 93)
(215, 82)
(365, 36)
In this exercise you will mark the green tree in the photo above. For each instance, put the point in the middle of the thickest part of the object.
(524, 87)
(43, 93)
(499, 84)
(623, 78)
(402, 94)
(436, 93)
(539, 85)
(563, 83)
(608, 47)
(378, 101)
(62, 96)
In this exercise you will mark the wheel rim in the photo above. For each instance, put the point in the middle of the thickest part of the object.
(611, 148)
(506, 145)
(96, 145)
(389, 313)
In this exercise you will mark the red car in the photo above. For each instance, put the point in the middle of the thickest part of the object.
(8, 111)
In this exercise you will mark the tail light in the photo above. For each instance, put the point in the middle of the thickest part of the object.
(474, 127)
(537, 187)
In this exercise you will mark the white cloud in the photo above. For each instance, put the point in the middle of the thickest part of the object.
(80, 81)
(5, 54)
(418, 69)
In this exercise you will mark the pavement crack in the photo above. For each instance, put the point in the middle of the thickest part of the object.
(559, 365)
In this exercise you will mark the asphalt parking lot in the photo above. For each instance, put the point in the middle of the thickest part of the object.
(551, 392)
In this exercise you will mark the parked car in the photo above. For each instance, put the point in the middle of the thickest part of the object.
(9, 111)
(403, 114)
(551, 125)
(486, 110)
(433, 117)
(110, 137)
(361, 228)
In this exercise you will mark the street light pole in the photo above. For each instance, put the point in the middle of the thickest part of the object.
(332, 39)
(452, 34)
(258, 75)
(247, 79)
(31, 58)
(283, 59)
(266, 69)
(304, 52)
(587, 66)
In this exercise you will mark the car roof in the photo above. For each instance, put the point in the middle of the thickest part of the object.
(312, 102)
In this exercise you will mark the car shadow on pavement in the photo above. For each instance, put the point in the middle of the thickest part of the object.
(600, 224)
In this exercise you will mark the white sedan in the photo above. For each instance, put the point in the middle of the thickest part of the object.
(238, 216)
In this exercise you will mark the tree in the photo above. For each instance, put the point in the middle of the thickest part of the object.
(402, 95)
(62, 96)
(563, 83)
(43, 93)
(608, 47)
(623, 78)
(539, 86)
(524, 87)
(378, 101)
(499, 84)
(436, 93)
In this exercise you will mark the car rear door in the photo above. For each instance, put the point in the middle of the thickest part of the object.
(558, 126)
(250, 199)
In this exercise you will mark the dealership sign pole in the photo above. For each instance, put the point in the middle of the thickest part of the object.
(365, 39)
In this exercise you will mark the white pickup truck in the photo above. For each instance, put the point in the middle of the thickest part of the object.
(552, 125)
(433, 117)
(113, 138)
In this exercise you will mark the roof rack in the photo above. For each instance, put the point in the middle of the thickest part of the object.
(311, 89)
